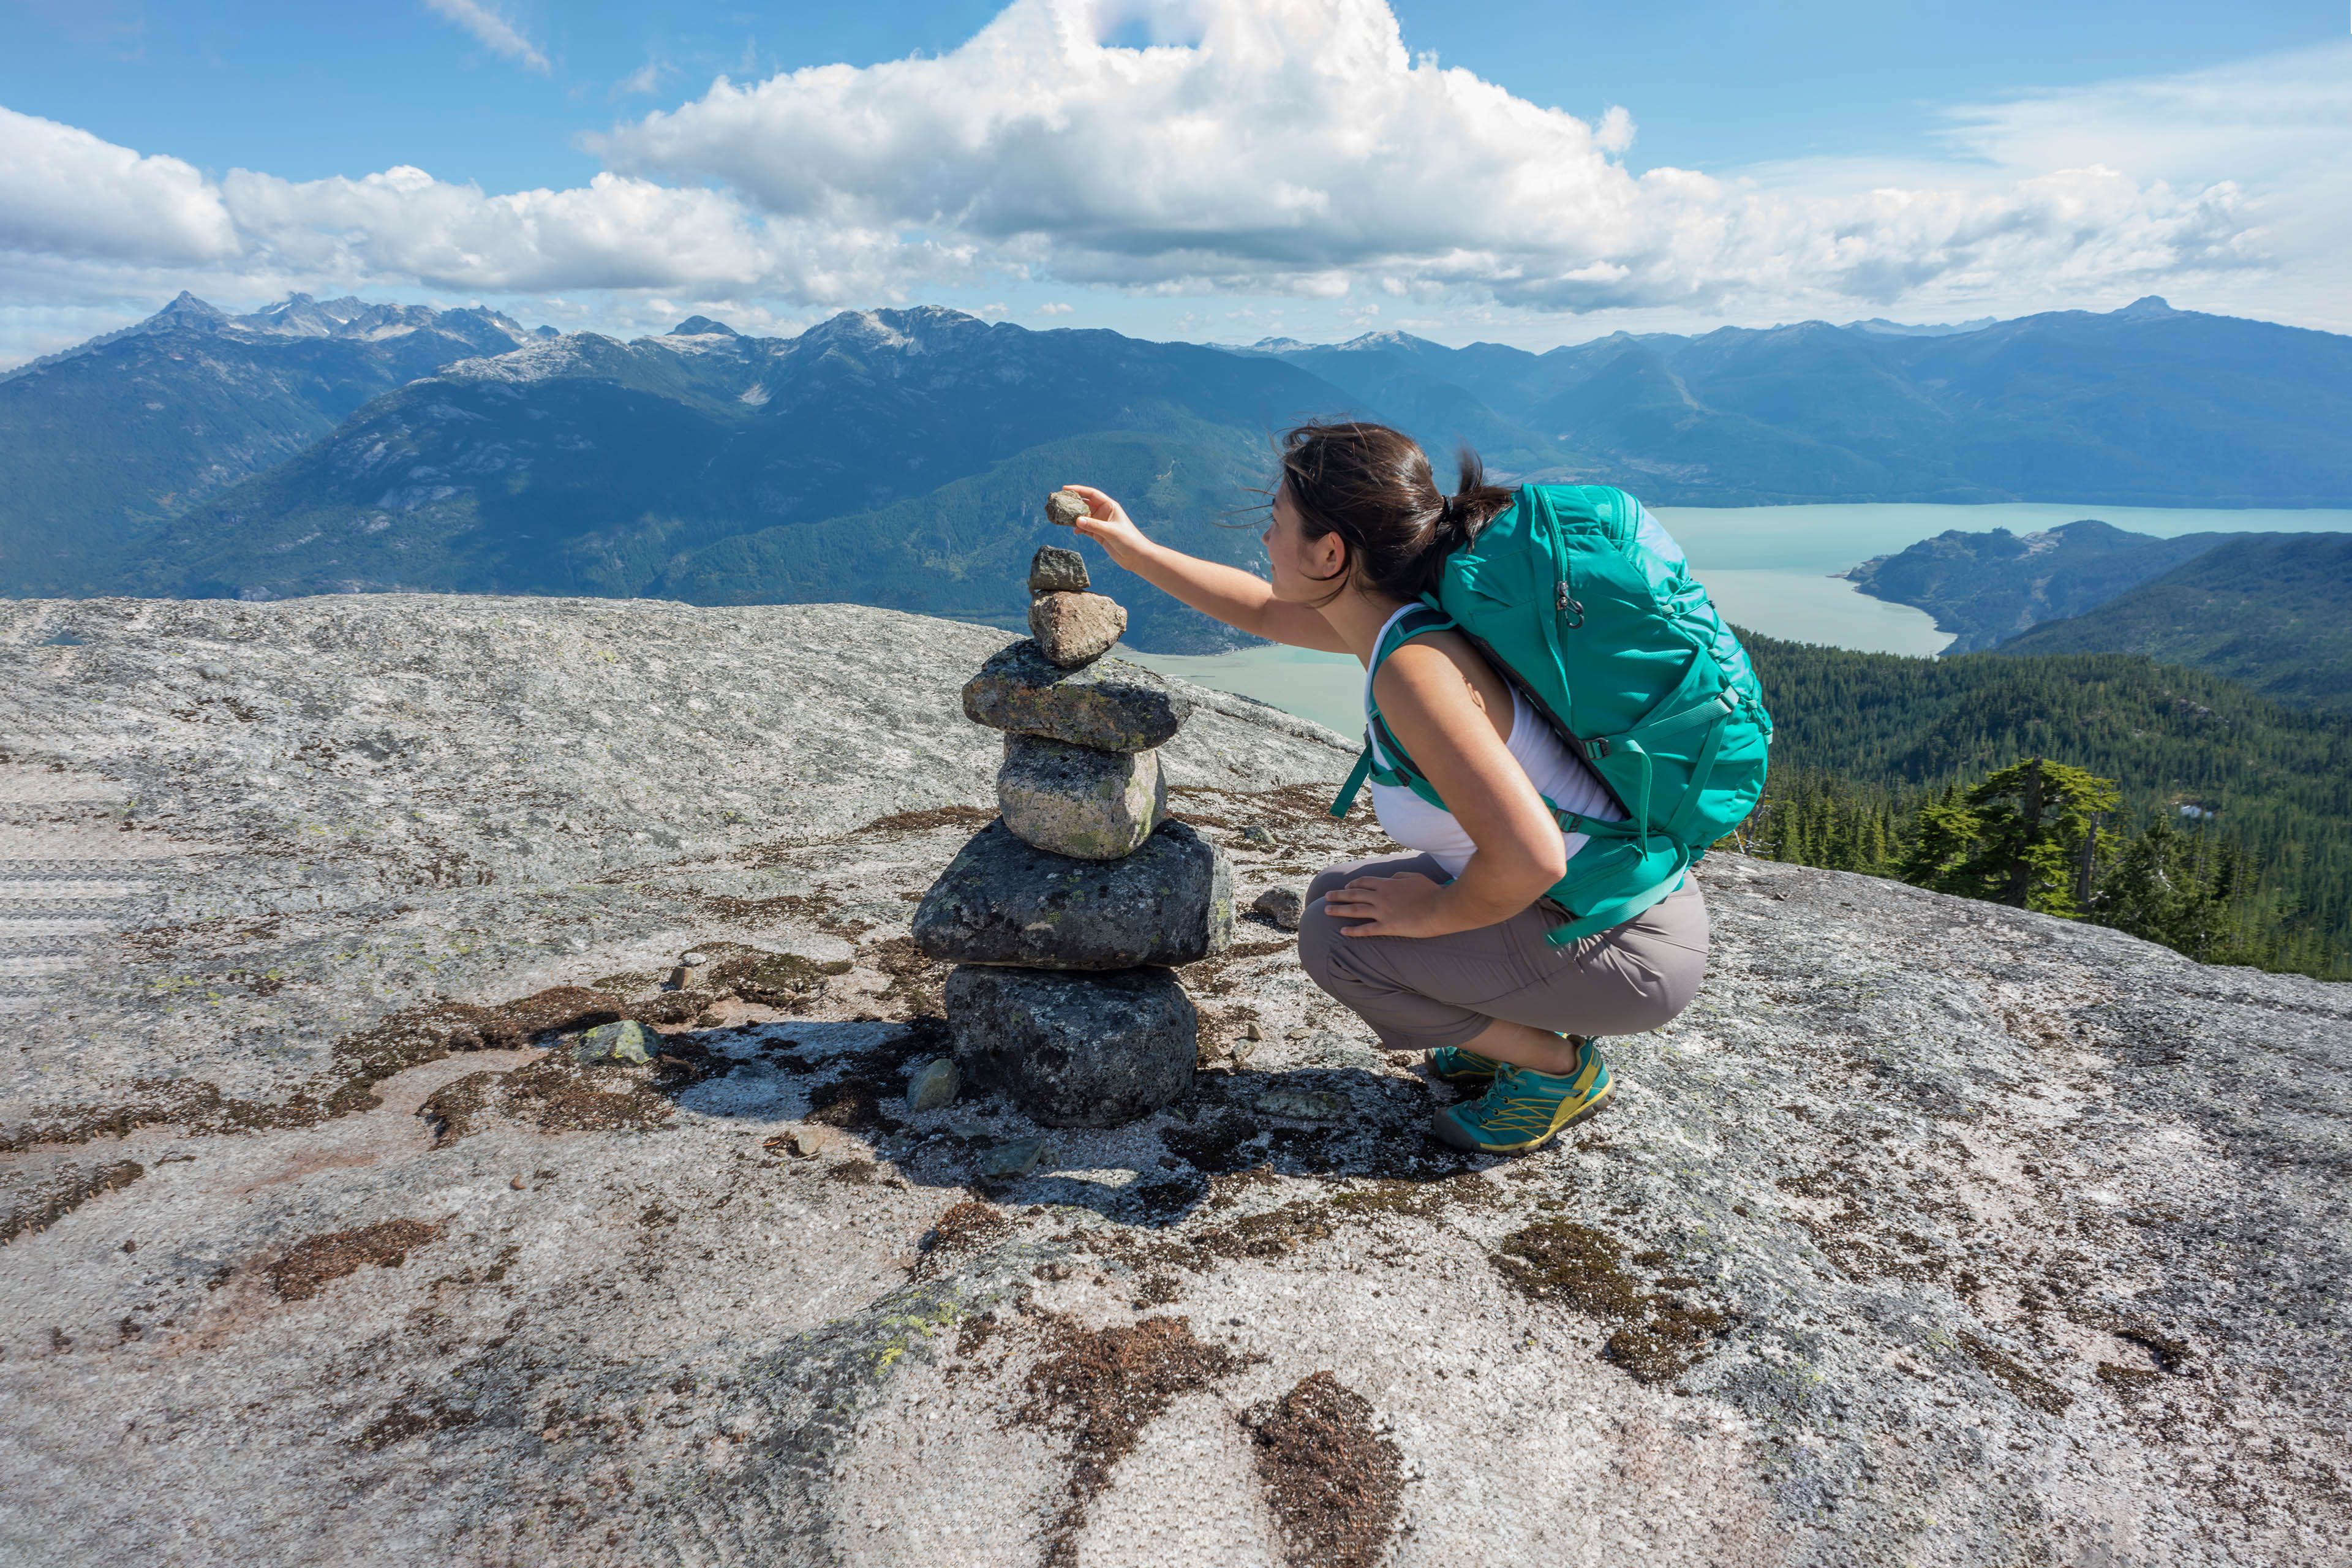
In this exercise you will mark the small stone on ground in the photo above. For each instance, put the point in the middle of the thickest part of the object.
(1281, 906)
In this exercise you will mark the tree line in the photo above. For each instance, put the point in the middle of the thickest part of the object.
(2157, 800)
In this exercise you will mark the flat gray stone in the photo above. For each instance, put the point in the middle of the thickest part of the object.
(1110, 704)
(1075, 1050)
(934, 1084)
(1077, 800)
(1010, 1161)
(1073, 629)
(1054, 570)
(1004, 902)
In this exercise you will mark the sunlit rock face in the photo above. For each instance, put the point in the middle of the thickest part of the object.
(1933, 1232)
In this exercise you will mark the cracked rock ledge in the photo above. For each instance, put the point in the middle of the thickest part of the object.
(1935, 1233)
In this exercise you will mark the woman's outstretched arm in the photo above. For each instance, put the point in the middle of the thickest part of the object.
(1233, 596)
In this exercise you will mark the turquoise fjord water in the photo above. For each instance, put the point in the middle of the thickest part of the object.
(1769, 568)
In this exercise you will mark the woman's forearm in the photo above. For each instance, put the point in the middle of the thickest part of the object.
(1487, 892)
(1227, 592)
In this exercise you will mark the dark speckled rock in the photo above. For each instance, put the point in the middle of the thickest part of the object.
(1075, 1050)
(1110, 704)
(1004, 902)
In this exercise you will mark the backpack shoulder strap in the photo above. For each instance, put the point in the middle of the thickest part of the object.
(1422, 619)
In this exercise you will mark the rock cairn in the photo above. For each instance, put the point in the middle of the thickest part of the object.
(1066, 914)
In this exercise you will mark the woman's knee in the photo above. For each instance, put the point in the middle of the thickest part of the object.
(1330, 879)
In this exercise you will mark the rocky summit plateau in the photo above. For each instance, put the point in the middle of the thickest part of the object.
(463, 1107)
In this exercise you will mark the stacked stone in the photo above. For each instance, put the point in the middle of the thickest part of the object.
(1066, 914)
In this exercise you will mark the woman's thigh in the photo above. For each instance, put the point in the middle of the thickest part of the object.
(1623, 981)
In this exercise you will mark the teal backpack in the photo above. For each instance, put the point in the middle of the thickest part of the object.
(1585, 605)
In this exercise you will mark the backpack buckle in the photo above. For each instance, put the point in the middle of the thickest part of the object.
(1596, 750)
(1569, 607)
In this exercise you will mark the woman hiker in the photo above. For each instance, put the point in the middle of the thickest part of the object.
(1444, 949)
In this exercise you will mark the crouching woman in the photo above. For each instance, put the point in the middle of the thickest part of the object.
(1441, 950)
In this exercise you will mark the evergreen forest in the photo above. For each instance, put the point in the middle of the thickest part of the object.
(2165, 802)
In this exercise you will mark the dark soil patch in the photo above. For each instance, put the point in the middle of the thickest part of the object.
(403, 1422)
(779, 980)
(306, 1270)
(1657, 1340)
(1104, 1386)
(359, 1061)
(854, 1104)
(37, 1208)
(1419, 1200)
(1335, 1485)
(2029, 1389)
(914, 981)
(562, 1096)
(966, 1228)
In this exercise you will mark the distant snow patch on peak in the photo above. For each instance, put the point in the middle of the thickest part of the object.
(755, 395)
(542, 360)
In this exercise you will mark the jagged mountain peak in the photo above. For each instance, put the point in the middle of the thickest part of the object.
(701, 327)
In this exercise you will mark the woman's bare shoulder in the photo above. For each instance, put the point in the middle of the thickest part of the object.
(1440, 675)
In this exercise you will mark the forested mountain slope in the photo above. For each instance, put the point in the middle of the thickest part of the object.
(2277, 781)
(1982, 587)
(2272, 611)
(102, 443)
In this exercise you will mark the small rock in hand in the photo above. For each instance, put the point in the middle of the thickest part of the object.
(1064, 508)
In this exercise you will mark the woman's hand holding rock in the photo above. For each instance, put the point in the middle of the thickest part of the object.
(1109, 526)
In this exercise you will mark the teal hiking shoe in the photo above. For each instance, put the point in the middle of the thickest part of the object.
(1525, 1109)
(1455, 1065)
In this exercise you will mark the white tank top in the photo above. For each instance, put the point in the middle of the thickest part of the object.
(1557, 774)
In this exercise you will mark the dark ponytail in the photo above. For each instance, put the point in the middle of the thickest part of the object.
(1374, 488)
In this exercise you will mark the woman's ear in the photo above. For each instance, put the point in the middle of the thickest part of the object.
(1327, 558)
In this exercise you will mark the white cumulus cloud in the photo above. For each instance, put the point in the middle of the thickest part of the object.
(494, 31)
(1284, 148)
(1295, 146)
(65, 193)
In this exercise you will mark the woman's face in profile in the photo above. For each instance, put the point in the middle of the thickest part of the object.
(1296, 562)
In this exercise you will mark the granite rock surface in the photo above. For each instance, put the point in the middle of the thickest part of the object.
(1077, 800)
(1110, 704)
(1004, 902)
(1933, 1232)
(1075, 1050)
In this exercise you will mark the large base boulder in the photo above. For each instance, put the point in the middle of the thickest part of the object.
(1075, 1050)
(1077, 800)
(1110, 704)
(1004, 902)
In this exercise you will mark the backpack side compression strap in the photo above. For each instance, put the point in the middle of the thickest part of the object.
(1422, 618)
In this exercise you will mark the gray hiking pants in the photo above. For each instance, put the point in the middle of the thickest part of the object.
(1420, 992)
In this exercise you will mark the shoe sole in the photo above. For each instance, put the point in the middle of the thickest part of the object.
(1449, 1131)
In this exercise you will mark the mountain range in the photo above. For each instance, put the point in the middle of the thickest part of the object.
(102, 443)
(894, 458)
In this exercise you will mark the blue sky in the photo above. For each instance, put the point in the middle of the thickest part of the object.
(1273, 165)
